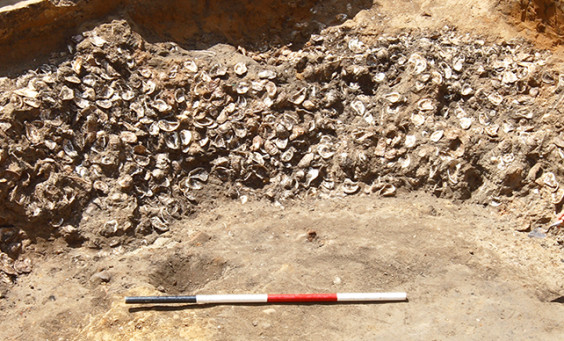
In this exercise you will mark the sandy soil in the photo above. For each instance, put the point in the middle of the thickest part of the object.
(467, 272)
(467, 275)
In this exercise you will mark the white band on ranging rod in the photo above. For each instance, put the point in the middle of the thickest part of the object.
(267, 298)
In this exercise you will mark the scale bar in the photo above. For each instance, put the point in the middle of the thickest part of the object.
(269, 298)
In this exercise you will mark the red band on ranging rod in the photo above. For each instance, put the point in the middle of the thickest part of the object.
(265, 298)
(302, 298)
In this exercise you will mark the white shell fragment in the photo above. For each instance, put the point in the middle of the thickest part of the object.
(436, 136)
(240, 69)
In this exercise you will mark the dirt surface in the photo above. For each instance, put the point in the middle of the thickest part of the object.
(466, 273)
(298, 146)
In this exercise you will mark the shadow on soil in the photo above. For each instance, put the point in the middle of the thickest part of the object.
(206, 306)
(39, 34)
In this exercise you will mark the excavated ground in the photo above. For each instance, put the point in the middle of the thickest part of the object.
(290, 146)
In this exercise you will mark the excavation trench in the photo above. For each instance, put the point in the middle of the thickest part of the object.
(121, 121)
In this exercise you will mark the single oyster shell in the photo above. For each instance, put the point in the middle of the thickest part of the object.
(306, 160)
(33, 134)
(76, 65)
(393, 97)
(410, 141)
(147, 73)
(67, 93)
(161, 105)
(128, 95)
(204, 122)
(101, 186)
(168, 126)
(426, 105)
(557, 197)
(281, 143)
(288, 155)
(310, 176)
(138, 108)
(379, 77)
(125, 182)
(368, 118)
(110, 227)
(90, 80)
(549, 179)
(356, 46)
(172, 140)
(257, 86)
(328, 184)
(419, 63)
(309, 105)
(73, 79)
(242, 88)
(180, 95)
(325, 151)
(298, 97)
(436, 78)
(495, 98)
(185, 137)
(106, 93)
(128, 137)
(508, 77)
(149, 87)
(267, 74)
(154, 129)
(240, 69)
(458, 64)
(270, 89)
(97, 41)
(190, 66)
(69, 149)
(466, 90)
(447, 71)
(159, 225)
(417, 119)
(350, 187)
(358, 107)
(104, 104)
(388, 190)
(465, 122)
(141, 160)
(196, 178)
(162, 161)
(436, 135)
(492, 130)
(271, 148)
(218, 71)
(287, 182)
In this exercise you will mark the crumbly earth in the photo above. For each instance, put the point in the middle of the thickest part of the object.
(468, 273)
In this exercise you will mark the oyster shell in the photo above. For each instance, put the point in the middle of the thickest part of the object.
(128, 137)
(67, 93)
(358, 107)
(350, 187)
(240, 69)
(495, 98)
(393, 97)
(168, 126)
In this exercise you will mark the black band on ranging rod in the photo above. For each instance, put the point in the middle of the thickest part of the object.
(160, 299)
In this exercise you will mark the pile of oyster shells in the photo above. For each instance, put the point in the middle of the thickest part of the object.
(150, 129)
